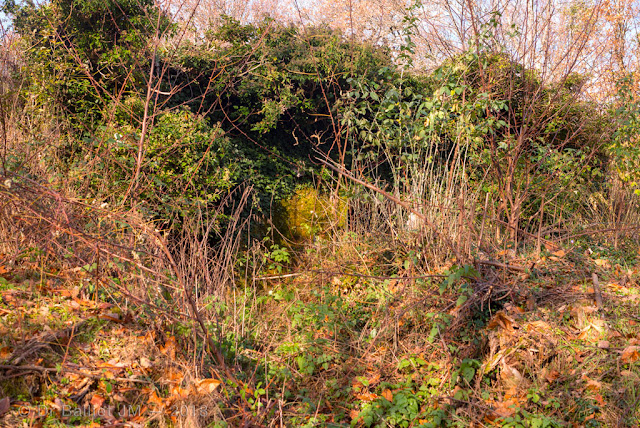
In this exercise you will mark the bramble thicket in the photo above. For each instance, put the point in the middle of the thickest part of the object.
(360, 215)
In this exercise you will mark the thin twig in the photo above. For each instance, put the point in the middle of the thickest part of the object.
(40, 369)
(501, 265)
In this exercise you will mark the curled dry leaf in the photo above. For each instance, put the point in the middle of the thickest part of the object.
(366, 396)
(539, 326)
(145, 362)
(207, 386)
(510, 375)
(178, 392)
(111, 316)
(373, 378)
(590, 384)
(513, 309)
(503, 409)
(551, 246)
(630, 354)
(551, 375)
(96, 401)
(5, 405)
(152, 397)
(388, 395)
(500, 319)
(169, 347)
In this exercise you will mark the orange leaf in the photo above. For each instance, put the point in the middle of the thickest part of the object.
(506, 408)
(63, 292)
(630, 354)
(501, 319)
(552, 376)
(539, 326)
(207, 386)
(140, 415)
(113, 317)
(373, 378)
(96, 401)
(169, 347)
(84, 302)
(353, 414)
(388, 395)
(178, 391)
(599, 399)
(593, 385)
(145, 363)
(155, 399)
(366, 397)
(5, 352)
(174, 375)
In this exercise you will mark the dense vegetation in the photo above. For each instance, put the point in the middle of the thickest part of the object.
(293, 226)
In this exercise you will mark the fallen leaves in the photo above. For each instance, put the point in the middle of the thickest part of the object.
(501, 319)
(591, 384)
(511, 376)
(537, 326)
(354, 414)
(630, 354)
(550, 375)
(169, 347)
(507, 407)
(145, 363)
(5, 405)
(367, 396)
(207, 386)
(97, 401)
(5, 353)
(557, 255)
(595, 327)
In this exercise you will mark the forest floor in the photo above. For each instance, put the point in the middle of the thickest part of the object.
(337, 344)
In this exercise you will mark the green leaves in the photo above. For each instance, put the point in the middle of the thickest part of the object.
(277, 258)
(81, 52)
(624, 147)
(456, 273)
